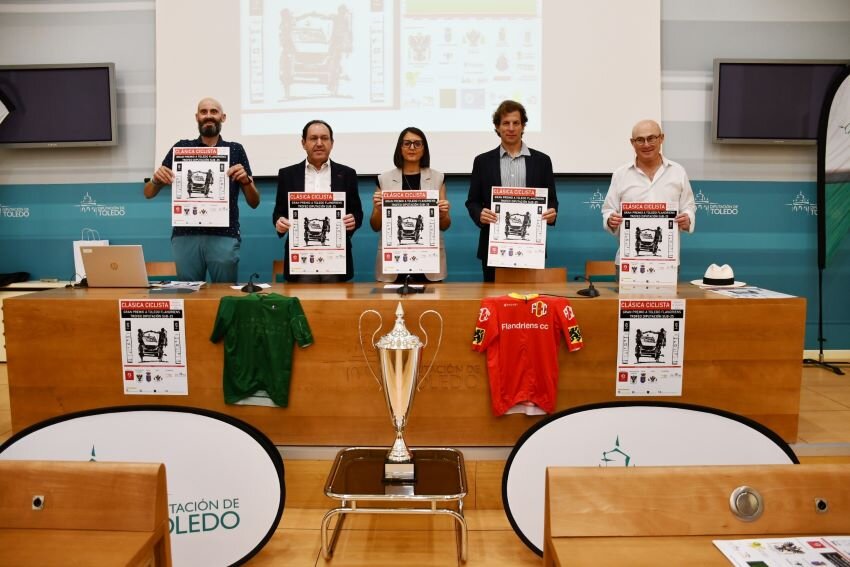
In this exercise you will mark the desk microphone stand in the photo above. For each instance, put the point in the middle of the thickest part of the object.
(589, 291)
(251, 287)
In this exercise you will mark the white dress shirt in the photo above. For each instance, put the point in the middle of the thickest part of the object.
(317, 180)
(631, 185)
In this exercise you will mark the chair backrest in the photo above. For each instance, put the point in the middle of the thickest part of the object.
(277, 269)
(695, 500)
(79, 495)
(527, 275)
(43, 498)
(600, 268)
(161, 269)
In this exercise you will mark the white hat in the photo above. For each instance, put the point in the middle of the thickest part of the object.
(719, 276)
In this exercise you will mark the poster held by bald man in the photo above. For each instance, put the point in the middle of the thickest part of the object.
(649, 178)
(210, 246)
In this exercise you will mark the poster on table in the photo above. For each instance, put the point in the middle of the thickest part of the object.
(806, 551)
(317, 234)
(651, 340)
(410, 230)
(649, 247)
(153, 346)
(518, 237)
(200, 194)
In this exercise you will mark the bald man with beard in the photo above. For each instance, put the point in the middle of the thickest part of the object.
(214, 249)
(649, 178)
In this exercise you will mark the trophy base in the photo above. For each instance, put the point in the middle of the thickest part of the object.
(399, 472)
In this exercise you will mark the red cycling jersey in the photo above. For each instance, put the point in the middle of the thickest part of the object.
(521, 335)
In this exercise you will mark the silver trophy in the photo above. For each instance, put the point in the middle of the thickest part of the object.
(399, 354)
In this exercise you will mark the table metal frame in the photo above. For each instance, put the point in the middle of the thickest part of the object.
(352, 503)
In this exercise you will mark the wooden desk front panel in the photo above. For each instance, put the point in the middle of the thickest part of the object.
(741, 355)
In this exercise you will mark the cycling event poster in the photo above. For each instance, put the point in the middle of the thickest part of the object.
(518, 237)
(317, 241)
(651, 350)
(200, 194)
(649, 247)
(410, 232)
(153, 346)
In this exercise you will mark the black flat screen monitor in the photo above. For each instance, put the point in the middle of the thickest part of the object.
(58, 105)
(767, 101)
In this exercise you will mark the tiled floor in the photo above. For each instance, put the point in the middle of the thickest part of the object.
(824, 434)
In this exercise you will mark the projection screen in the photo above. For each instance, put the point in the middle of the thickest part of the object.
(586, 72)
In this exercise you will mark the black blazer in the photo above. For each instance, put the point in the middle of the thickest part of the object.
(487, 174)
(343, 178)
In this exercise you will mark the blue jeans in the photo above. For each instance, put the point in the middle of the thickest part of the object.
(197, 254)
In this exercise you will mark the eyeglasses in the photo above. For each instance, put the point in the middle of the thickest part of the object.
(648, 140)
(415, 144)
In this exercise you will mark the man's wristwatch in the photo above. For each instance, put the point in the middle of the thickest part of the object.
(250, 180)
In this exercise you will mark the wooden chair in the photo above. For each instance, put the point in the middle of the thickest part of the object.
(277, 270)
(594, 268)
(527, 275)
(670, 515)
(161, 269)
(56, 513)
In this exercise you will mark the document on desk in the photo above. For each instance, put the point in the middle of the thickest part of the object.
(749, 292)
(651, 339)
(200, 194)
(649, 244)
(176, 285)
(153, 346)
(783, 552)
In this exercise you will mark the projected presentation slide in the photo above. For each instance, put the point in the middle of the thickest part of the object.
(403, 61)
(586, 72)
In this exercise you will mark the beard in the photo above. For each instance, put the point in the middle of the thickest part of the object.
(209, 129)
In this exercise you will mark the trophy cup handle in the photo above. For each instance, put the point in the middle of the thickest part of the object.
(372, 342)
(439, 341)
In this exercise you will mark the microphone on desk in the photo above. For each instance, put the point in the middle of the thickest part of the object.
(251, 287)
(406, 289)
(589, 291)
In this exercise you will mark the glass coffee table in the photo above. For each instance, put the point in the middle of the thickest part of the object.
(357, 481)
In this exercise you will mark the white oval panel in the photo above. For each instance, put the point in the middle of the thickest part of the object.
(225, 478)
(628, 434)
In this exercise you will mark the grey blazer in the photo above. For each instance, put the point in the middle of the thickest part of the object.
(392, 181)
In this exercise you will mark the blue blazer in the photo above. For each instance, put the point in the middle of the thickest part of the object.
(343, 178)
(486, 174)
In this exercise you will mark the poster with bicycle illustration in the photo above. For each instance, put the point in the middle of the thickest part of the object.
(317, 241)
(200, 194)
(153, 346)
(651, 339)
(410, 232)
(518, 237)
(649, 244)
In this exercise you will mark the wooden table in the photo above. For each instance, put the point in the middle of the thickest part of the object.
(648, 516)
(741, 355)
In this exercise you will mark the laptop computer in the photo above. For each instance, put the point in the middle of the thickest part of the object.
(115, 266)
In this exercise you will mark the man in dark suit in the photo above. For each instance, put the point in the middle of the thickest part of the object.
(512, 164)
(318, 174)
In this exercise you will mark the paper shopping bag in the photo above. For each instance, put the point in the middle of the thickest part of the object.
(89, 237)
